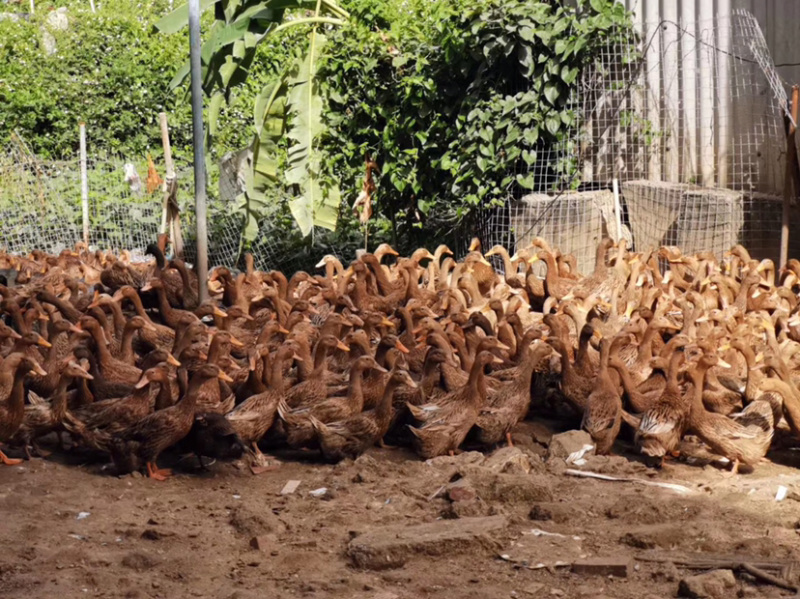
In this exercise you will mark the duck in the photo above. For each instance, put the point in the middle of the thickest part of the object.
(140, 444)
(252, 418)
(508, 402)
(444, 429)
(44, 416)
(352, 436)
(602, 417)
(13, 370)
(743, 440)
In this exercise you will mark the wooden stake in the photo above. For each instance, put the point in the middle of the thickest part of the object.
(788, 187)
(84, 185)
(170, 215)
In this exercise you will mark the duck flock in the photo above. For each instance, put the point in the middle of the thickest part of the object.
(121, 359)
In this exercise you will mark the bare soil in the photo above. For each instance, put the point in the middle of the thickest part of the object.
(70, 528)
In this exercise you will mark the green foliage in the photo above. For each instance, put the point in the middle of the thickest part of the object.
(108, 70)
(456, 99)
(227, 55)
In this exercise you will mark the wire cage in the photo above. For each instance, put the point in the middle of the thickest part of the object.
(690, 121)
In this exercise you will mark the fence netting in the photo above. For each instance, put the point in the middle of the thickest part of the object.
(688, 117)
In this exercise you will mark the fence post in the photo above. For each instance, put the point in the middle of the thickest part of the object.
(198, 144)
(170, 215)
(91, 5)
(617, 208)
(84, 185)
(788, 187)
(33, 7)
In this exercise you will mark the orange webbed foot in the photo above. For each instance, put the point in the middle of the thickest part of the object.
(4, 459)
(157, 473)
(508, 440)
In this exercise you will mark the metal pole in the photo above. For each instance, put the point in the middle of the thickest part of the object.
(33, 7)
(617, 209)
(198, 143)
(788, 183)
(84, 186)
(91, 4)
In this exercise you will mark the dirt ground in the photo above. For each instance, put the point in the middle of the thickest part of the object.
(70, 528)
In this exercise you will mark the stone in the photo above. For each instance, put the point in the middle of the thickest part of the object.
(263, 543)
(461, 491)
(446, 462)
(540, 514)
(508, 460)
(603, 566)
(717, 584)
(391, 546)
(508, 488)
(566, 444)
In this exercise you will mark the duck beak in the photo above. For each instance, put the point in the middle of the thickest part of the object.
(387, 323)
(497, 360)
(235, 342)
(473, 245)
(484, 261)
(150, 326)
(597, 334)
(251, 363)
(342, 346)
(203, 356)
(172, 361)
(320, 264)
(218, 312)
(534, 258)
(37, 368)
(392, 251)
(44, 317)
(703, 318)
(723, 364)
(43, 342)
(146, 287)
(283, 330)
(224, 377)
(14, 334)
(401, 347)
(143, 382)
(298, 358)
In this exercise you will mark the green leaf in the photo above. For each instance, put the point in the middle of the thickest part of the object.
(314, 206)
(553, 124)
(179, 18)
(213, 112)
(552, 93)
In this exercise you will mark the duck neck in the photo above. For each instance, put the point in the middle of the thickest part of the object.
(103, 354)
(275, 373)
(752, 380)
(164, 396)
(477, 382)
(355, 391)
(698, 377)
(320, 358)
(672, 371)
(126, 346)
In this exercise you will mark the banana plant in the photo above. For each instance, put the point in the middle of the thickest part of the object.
(227, 54)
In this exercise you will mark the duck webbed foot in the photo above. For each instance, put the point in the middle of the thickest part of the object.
(157, 473)
(7, 461)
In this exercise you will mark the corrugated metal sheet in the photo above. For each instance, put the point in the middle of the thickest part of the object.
(717, 115)
(778, 19)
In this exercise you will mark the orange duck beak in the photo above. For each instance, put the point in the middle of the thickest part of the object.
(172, 361)
(43, 342)
(342, 346)
(401, 347)
(224, 377)
(235, 342)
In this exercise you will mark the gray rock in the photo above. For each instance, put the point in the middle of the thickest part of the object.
(566, 444)
(717, 584)
(391, 546)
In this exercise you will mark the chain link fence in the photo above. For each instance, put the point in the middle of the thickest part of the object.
(688, 117)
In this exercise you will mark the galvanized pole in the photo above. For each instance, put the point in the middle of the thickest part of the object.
(198, 143)
(788, 182)
(84, 185)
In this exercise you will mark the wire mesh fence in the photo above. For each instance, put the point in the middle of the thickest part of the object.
(687, 116)
(690, 119)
